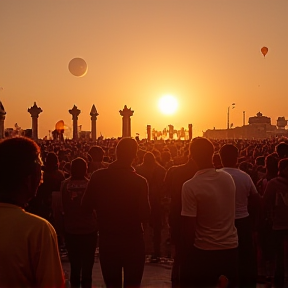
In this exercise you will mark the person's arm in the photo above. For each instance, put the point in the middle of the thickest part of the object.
(88, 199)
(269, 197)
(254, 197)
(47, 265)
(189, 214)
(144, 204)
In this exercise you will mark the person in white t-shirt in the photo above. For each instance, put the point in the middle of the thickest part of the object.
(246, 194)
(208, 210)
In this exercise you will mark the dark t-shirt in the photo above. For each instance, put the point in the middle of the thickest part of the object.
(76, 220)
(120, 198)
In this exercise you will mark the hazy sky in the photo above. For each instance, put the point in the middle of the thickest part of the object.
(204, 52)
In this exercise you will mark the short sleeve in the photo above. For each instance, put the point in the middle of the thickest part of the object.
(189, 204)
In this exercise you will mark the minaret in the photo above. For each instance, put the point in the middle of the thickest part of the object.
(2, 118)
(34, 112)
(149, 133)
(75, 113)
(190, 131)
(126, 121)
(93, 115)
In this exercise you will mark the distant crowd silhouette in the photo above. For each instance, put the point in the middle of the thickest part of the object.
(223, 203)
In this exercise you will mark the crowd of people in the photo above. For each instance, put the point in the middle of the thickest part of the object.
(225, 202)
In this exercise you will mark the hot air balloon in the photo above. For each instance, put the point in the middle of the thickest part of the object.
(264, 51)
(78, 67)
(59, 125)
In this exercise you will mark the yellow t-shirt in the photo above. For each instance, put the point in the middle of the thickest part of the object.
(29, 254)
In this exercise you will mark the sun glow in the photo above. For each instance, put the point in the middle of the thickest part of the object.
(168, 104)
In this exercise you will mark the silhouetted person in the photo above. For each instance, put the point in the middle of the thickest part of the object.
(120, 199)
(154, 174)
(246, 194)
(276, 201)
(175, 177)
(208, 210)
(96, 154)
(282, 150)
(28, 244)
(79, 226)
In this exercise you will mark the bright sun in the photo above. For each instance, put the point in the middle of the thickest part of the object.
(168, 104)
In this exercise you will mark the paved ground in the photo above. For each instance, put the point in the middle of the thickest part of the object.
(155, 274)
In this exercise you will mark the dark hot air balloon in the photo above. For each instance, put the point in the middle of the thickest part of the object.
(264, 51)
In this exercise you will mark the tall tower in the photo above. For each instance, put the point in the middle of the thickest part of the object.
(75, 113)
(34, 112)
(126, 121)
(2, 118)
(93, 115)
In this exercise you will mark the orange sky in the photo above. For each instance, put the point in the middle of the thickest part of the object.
(204, 52)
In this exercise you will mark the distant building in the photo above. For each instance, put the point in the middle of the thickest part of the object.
(259, 127)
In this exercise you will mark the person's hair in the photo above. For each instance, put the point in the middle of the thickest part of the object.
(217, 161)
(246, 167)
(78, 168)
(271, 165)
(260, 160)
(96, 153)
(52, 162)
(201, 151)
(229, 155)
(126, 149)
(282, 150)
(149, 159)
(19, 158)
(283, 165)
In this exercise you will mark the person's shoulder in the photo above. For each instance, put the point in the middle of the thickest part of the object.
(37, 221)
(100, 172)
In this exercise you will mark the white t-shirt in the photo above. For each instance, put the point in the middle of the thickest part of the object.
(210, 197)
(244, 188)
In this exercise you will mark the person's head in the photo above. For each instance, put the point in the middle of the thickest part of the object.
(260, 160)
(217, 161)
(201, 151)
(149, 159)
(282, 150)
(96, 153)
(283, 168)
(51, 162)
(271, 165)
(78, 168)
(229, 155)
(20, 170)
(126, 150)
(246, 167)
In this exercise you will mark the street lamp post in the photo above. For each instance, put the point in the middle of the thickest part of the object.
(228, 115)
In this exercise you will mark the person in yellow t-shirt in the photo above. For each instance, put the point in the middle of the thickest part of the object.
(28, 243)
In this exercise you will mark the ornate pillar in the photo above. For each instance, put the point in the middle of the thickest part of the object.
(2, 118)
(34, 112)
(171, 131)
(93, 115)
(75, 113)
(190, 131)
(149, 133)
(126, 121)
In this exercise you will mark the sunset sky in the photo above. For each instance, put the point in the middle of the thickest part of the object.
(206, 53)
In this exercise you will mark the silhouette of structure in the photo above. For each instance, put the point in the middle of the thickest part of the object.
(126, 121)
(34, 112)
(2, 118)
(93, 115)
(190, 131)
(259, 127)
(75, 113)
(149, 132)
